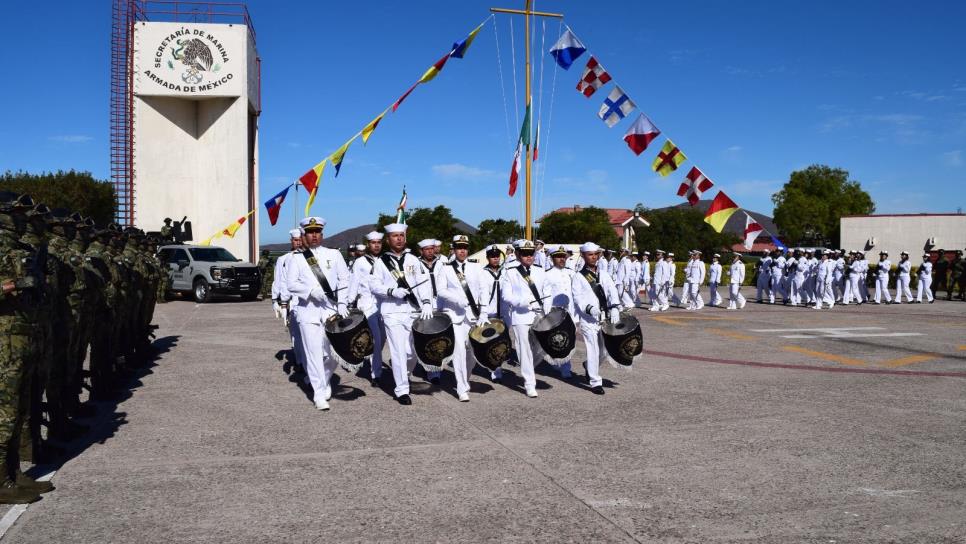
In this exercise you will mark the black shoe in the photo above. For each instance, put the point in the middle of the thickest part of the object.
(404, 400)
(931, 301)
(497, 379)
(597, 389)
(374, 381)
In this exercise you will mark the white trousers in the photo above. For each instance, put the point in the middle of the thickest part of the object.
(402, 355)
(297, 347)
(591, 334)
(378, 340)
(521, 339)
(736, 299)
(798, 288)
(694, 296)
(628, 296)
(713, 298)
(864, 287)
(902, 288)
(925, 284)
(777, 287)
(882, 288)
(463, 360)
(318, 365)
(852, 289)
(764, 283)
(825, 293)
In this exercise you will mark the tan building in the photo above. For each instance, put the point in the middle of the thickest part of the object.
(894, 233)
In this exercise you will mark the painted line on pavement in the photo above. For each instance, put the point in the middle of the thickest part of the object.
(731, 334)
(961, 348)
(17, 510)
(910, 360)
(677, 320)
(786, 366)
(826, 356)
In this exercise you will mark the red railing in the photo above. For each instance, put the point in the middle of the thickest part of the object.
(199, 12)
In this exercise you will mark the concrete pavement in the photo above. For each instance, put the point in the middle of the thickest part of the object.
(771, 424)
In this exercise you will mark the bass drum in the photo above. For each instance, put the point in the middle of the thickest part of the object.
(491, 343)
(434, 341)
(350, 338)
(623, 340)
(556, 334)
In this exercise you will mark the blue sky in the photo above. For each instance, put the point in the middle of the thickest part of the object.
(749, 90)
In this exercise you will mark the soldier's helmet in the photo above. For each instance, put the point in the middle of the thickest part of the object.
(167, 220)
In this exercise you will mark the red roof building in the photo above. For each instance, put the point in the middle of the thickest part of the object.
(620, 220)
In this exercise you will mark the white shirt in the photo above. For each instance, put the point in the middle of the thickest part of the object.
(359, 289)
(279, 290)
(452, 298)
(645, 271)
(925, 269)
(488, 294)
(737, 273)
(905, 267)
(694, 272)
(312, 304)
(714, 273)
(558, 287)
(518, 295)
(585, 298)
(383, 281)
(884, 267)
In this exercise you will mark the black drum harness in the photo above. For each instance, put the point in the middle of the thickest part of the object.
(458, 269)
(319, 275)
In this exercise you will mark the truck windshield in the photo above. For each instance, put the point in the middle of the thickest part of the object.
(211, 254)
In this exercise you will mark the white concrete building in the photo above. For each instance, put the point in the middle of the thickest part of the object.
(914, 233)
(195, 129)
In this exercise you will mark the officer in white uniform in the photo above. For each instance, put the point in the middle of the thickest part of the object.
(558, 288)
(489, 294)
(540, 257)
(838, 275)
(670, 271)
(403, 292)
(281, 297)
(736, 277)
(432, 267)
(904, 269)
(636, 279)
(317, 279)
(807, 266)
(863, 280)
(360, 291)
(854, 277)
(521, 287)
(595, 298)
(695, 275)
(625, 278)
(645, 278)
(882, 279)
(659, 283)
(459, 287)
(925, 280)
(796, 280)
(777, 277)
(824, 293)
(714, 279)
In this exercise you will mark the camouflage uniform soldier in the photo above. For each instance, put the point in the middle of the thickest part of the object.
(127, 301)
(267, 272)
(19, 298)
(103, 341)
(956, 270)
(84, 301)
(939, 272)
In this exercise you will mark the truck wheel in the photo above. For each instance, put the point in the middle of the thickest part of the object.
(202, 291)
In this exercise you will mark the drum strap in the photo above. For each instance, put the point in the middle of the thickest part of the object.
(319, 275)
(395, 267)
(595, 286)
(466, 289)
(530, 284)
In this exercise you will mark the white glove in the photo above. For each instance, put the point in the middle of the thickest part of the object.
(594, 312)
(399, 293)
(615, 315)
(427, 312)
(482, 320)
(343, 310)
(277, 309)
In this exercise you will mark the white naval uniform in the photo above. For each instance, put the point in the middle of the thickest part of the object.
(398, 315)
(454, 303)
(798, 281)
(603, 266)
(280, 294)
(590, 314)
(646, 280)
(902, 282)
(764, 278)
(838, 278)
(694, 276)
(823, 284)
(558, 288)
(737, 274)
(312, 306)
(852, 288)
(925, 281)
(714, 279)
(523, 311)
(361, 292)
(863, 281)
(777, 278)
(541, 259)
(625, 281)
(882, 281)
(636, 268)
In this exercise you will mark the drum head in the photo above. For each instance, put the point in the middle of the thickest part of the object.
(350, 338)
(556, 334)
(433, 326)
(491, 344)
(434, 341)
(337, 324)
(551, 321)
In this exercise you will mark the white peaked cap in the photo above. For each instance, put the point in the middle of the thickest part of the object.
(396, 227)
(313, 221)
(589, 247)
(295, 233)
(373, 236)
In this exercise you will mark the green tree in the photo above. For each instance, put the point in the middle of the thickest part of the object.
(583, 225)
(424, 223)
(810, 205)
(498, 231)
(77, 191)
(680, 230)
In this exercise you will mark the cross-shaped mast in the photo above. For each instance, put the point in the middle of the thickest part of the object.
(528, 163)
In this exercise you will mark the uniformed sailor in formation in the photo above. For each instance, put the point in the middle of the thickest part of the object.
(521, 287)
(736, 276)
(903, 278)
(360, 295)
(925, 280)
(595, 299)
(882, 279)
(645, 281)
(281, 298)
(459, 291)
(490, 296)
(558, 290)
(714, 279)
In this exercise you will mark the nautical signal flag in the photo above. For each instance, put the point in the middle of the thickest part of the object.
(459, 49)
(536, 142)
(693, 185)
(310, 180)
(616, 106)
(722, 208)
(368, 129)
(337, 157)
(668, 159)
(594, 78)
(567, 49)
(641, 134)
(752, 230)
(230, 230)
(274, 205)
(399, 100)
(435, 69)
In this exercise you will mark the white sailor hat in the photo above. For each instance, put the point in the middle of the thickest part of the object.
(625, 250)
(395, 227)
(312, 223)
(738, 255)
(589, 247)
(926, 256)
(360, 247)
(374, 235)
(428, 242)
(716, 256)
(646, 253)
(661, 251)
(538, 242)
(903, 253)
(461, 240)
(670, 254)
(295, 233)
(695, 252)
(437, 243)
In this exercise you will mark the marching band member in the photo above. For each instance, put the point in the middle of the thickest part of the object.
(558, 290)
(882, 278)
(714, 278)
(281, 296)
(925, 280)
(636, 278)
(432, 266)
(396, 284)
(854, 275)
(593, 295)
(863, 280)
(777, 285)
(360, 292)
(316, 279)
(489, 293)
(521, 287)
(838, 274)
(904, 269)
(737, 275)
(823, 282)
(459, 286)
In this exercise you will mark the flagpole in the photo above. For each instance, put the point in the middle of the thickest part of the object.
(529, 165)
(295, 209)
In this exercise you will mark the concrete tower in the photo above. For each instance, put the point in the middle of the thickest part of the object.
(194, 144)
